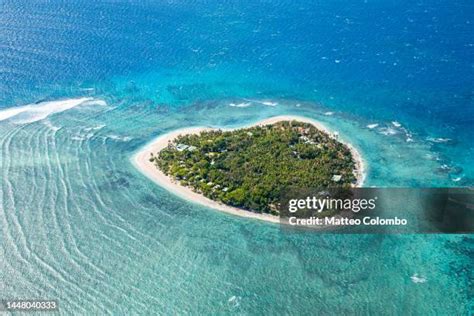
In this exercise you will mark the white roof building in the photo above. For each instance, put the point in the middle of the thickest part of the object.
(181, 147)
(336, 178)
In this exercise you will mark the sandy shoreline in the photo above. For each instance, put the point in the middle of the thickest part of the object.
(142, 163)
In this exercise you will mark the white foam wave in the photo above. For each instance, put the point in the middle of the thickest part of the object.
(269, 103)
(6, 114)
(240, 105)
(120, 138)
(396, 124)
(95, 102)
(438, 140)
(263, 102)
(35, 112)
(329, 113)
(388, 131)
(96, 128)
(444, 167)
(234, 301)
(418, 279)
(372, 126)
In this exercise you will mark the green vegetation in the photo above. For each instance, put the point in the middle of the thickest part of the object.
(250, 168)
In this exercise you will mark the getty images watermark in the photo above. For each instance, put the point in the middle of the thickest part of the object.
(378, 210)
(327, 211)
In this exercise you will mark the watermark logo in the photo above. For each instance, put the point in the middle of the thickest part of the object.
(378, 210)
(320, 204)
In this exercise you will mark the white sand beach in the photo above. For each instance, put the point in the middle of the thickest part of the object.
(142, 163)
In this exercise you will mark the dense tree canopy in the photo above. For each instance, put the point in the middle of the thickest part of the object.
(250, 168)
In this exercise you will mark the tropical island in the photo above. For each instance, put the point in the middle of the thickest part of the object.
(245, 170)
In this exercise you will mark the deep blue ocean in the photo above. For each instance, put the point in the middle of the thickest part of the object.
(84, 85)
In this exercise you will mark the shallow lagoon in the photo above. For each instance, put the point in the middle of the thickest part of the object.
(93, 229)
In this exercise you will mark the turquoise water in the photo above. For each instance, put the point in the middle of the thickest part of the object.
(81, 225)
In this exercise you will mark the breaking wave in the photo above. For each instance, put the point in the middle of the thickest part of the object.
(35, 112)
